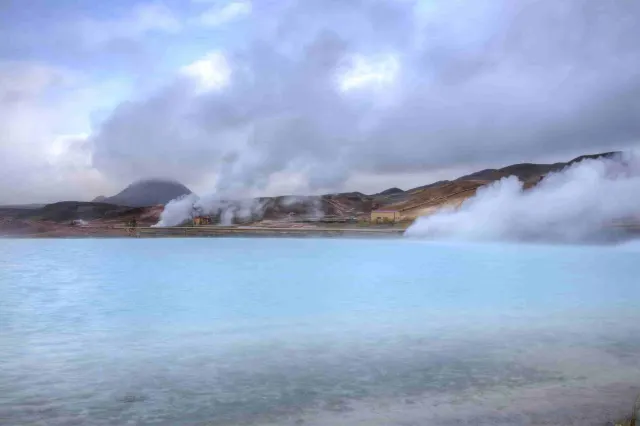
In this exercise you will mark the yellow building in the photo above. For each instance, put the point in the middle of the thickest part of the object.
(201, 220)
(385, 216)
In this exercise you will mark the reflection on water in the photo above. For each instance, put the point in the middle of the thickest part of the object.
(315, 332)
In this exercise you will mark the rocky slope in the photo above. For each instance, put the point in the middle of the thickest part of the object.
(425, 199)
(135, 202)
(73, 218)
(146, 193)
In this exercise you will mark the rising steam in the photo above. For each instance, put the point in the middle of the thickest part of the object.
(229, 212)
(182, 209)
(311, 205)
(576, 204)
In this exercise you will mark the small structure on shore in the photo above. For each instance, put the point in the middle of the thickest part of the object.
(201, 220)
(385, 216)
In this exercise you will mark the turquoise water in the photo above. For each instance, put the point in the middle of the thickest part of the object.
(306, 331)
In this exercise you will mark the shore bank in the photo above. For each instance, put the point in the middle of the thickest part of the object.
(209, 231)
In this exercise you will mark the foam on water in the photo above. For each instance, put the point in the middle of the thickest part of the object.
(315, 332)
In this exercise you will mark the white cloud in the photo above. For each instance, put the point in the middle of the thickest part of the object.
(209, 73)
(17, 82)
(70, 151)
(370, 72)
(217, 16)
(329, 89)
(143, 19)
(326, 89)
(38, 163)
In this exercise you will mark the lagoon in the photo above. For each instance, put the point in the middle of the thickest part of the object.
(316, 332)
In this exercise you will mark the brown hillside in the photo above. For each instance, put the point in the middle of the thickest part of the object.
(57, 218)
(428, 198)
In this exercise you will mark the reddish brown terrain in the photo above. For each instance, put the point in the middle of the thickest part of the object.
(74, 219)
(103, 219)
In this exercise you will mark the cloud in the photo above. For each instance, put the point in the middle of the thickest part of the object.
(209, 73)
(142, 19)
(128, 39)
(38, 162)
(221, 15)
(243, 131)
(438, 87)
(365, 72)
(322, 93)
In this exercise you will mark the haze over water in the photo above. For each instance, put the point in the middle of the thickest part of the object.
(316, 332)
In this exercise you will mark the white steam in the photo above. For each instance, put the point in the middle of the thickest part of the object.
(311, 205)
(177, 211)
(228, 212)
(185, 208)
(578, 203)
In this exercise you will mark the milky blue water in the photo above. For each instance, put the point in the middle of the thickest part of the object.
(315, 331)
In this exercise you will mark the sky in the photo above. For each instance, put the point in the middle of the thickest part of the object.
(265, 97)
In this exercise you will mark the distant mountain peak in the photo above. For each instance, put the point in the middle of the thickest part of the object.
(390, 191)
(147, 192)
(152, 181)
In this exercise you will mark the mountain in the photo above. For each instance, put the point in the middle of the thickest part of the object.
(413, 202)
(425, 199)
(387, 192)
(143, 201)
(528, 171)
(146, 193)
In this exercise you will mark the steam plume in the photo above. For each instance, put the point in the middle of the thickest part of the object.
(312, 205)
(185, 208)
(576, 204)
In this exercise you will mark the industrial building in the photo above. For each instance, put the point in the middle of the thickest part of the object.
(385, 216)
(202, 220)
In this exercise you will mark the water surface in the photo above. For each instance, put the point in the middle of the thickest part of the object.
(315, 332)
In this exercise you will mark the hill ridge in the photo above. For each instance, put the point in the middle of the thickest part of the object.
(146, 193)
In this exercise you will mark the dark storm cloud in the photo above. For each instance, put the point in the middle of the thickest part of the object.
(477, 82)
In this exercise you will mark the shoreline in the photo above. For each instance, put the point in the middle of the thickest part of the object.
(213, 232)
(244, 235)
